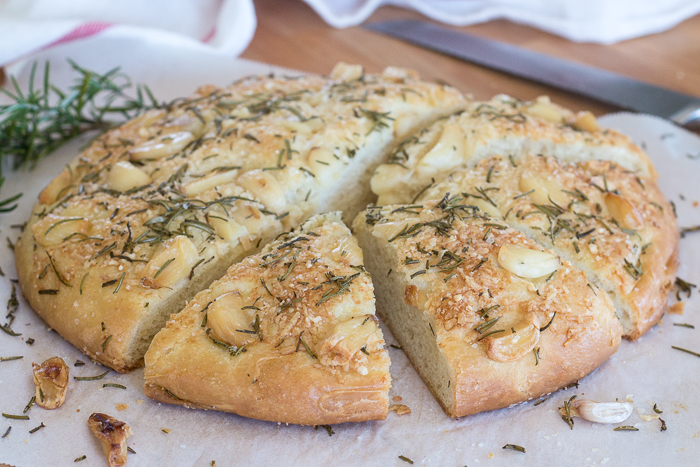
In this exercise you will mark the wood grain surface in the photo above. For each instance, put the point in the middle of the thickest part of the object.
(292, 35)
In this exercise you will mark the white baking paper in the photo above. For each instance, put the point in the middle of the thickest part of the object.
(649, 369)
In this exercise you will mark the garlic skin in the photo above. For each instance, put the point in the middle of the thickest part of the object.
(602, 412)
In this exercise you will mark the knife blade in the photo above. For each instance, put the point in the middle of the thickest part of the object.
(596, 83)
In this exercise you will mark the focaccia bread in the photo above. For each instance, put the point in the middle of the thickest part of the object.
(505, 126)
(605, 220)
(155, 210)
(488, 317)
(287, 335)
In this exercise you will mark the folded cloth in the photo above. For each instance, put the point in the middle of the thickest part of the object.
(603, 21)
(223, 27)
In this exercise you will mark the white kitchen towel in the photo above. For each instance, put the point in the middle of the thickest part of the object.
(603, 21)
(220, 27)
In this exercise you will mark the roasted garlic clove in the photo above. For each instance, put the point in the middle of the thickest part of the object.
(624, 212)
(485, 206)
(347, 338)
(228, 229)
(526, 262)
(112, 434)
(229, 322)
(53, 230)
(601, 412)
(51, 381)
(162, 146)
(172, 262)
(586, 121)
(447, 153)
(387, 177)
(542, 190)
(509, 346)
(345, 72)
(200, 185)
(124, 176)
(320, 160)
(543, 108)
(265, 187)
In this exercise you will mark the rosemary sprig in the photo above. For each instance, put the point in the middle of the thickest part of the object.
(43, 118)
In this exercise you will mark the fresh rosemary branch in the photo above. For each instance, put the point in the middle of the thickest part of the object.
(43, 118)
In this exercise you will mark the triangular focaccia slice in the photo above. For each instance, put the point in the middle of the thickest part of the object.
(615, 226)
(155, 210)
(504, 126)
(287, 335)
(487, 317)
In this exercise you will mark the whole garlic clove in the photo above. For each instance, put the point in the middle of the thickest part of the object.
(601, 412)
(526, 262)
(51, 381)
(162, 147)
(586, 121)
(512, 347)
(201, 185)
(347, 338)
(124, 176)
(542, 190)
(112, 434)
(172, 262)
(624, 212)
(387, 178)
(447, 153)
(229, 322)
(543, 108)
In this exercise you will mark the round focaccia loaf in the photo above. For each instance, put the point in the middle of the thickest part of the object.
(504, 126)
(155, 210)
(605, 220)
(287, 335)
(488, 317)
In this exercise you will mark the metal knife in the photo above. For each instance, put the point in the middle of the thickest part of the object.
(602, 85)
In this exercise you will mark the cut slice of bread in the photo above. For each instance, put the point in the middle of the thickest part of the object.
(606, 221)
(155, 210)
(287, 335)
(504, 126)
(488, 317)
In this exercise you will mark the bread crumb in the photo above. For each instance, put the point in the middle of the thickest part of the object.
(121, 407)
(677, 308)
(491, 456)
(139, 401)
(400, 409)
(165, 430)
(397, 399)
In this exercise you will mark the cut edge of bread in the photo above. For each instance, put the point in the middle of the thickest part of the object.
(410, 325)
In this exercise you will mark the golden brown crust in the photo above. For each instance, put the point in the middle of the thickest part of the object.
(303, 345)
(503, 126)
(497, 331)
(617, 227)
(215, 174)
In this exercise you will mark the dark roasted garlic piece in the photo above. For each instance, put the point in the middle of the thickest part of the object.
(51, 381)
(112, 435)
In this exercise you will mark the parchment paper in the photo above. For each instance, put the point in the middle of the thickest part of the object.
(649, 369)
